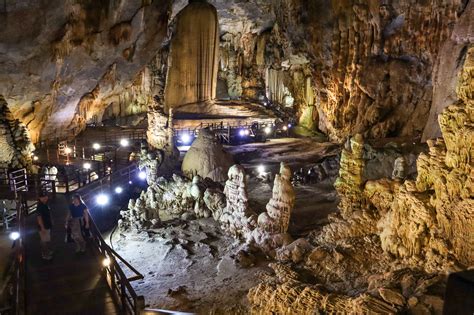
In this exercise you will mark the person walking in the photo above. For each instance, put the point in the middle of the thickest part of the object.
(78, 215)
(45, 223)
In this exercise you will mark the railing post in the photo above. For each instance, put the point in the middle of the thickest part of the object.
(123, 297)
(139, 304)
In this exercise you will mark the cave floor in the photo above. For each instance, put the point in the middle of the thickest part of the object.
(192, 265)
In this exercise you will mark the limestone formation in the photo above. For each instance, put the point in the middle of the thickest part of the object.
(15, 143)
(277, 217)
(349, 184)
(399, 168)
(206, 157)
(193, 62)
(287, 294)
(237, 218)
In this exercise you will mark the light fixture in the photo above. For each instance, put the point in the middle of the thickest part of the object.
(289, 125)
(260, 169)
(67, 150)
(14, 236)
(96, 146)
(35, 158)
(109, 168)
(124, 143)
(267, 130)
(106, 262)
(102, 199)
(118, 190)
(142, 175)
(285, 128)
(185, 138)
(242, 132)
(87, 166)
(130, 182)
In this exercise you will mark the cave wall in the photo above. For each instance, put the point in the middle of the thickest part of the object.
(62, 63)
(372, 61)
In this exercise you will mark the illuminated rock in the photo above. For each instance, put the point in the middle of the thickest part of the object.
(206, 157)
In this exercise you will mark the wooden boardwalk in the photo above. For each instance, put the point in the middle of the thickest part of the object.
(68, 284)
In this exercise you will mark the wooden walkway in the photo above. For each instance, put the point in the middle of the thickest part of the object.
(68, 284)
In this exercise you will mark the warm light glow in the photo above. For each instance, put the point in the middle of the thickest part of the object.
(185, 138)
(124, 143)
(102, 199)
(261, 169)
(285, 128)
(106, 262)
(267, 130)
(247, 132)
(96, 146)
(118, 190)
(68, 150)
(87, 166)
(109, 168)
(35, 158)
(142, 175)
(14, 236)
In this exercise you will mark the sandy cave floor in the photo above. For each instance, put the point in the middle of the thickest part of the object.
(191, 265)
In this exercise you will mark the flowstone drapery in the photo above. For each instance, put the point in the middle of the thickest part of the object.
(193, 62)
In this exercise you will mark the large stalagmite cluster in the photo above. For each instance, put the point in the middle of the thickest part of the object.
(15, 143)
(413, 230)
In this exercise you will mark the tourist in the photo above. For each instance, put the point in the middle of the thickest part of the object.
(78, 217)
(44, 224)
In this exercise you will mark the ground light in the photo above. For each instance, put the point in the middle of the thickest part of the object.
(35, 158)
(106, 262)
(285, 128)
(242, 133)
(14, 236)
(124, 143)
(142, 175)
(87, 166)
(102, 199)
(289, 125)
(267, 130)
(260, 169)
(118, 190)
(185, 138)
(96, 146)
(67, 150)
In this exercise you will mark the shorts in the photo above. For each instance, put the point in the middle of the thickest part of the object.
(45, 236)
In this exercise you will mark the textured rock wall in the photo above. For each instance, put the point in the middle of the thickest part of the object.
(427, 221)
(372, 62)
(15, 143)
(63, 62)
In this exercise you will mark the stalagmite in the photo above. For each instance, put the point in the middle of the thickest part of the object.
(206, 157)
(237, 218)
(277, 217)
(193, 61)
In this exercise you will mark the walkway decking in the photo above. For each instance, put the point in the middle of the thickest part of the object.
(68, 284)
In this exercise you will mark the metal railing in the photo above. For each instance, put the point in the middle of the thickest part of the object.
(119, 284)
